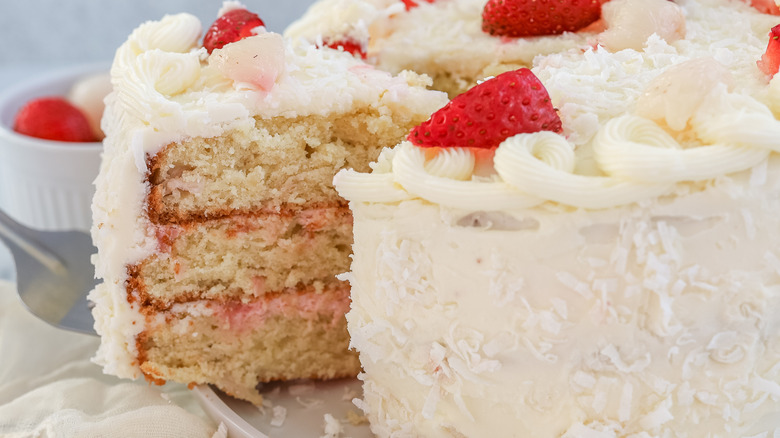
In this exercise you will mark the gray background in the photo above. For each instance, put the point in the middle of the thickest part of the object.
(63, 32)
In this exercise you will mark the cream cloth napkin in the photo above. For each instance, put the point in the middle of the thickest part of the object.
(49, 387)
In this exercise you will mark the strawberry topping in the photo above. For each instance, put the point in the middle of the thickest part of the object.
(770, 60)
(765, 6)
(511, 103)
(525, 18)
(410, 4)
(348, 45)
(53, 118)
(230, 27)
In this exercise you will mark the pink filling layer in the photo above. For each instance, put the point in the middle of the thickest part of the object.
(306, 304)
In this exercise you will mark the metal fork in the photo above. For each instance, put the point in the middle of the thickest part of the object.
(53, 273)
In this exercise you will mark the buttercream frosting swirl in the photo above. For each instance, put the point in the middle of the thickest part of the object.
(453, 163)
(635, 149)
(519, 164)
(177, 33)
(636, 157)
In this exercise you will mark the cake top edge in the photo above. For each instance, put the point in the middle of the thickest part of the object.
(164, 79)
(674, 115)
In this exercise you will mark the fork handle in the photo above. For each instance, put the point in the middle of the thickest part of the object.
(12, 232)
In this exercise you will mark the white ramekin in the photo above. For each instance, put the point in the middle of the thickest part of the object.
(46, 184)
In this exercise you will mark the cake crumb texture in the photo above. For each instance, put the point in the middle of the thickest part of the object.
(277, 162)
(283, 349)
(245, 256)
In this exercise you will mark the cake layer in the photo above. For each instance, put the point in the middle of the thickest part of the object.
(454, 83)
(278, 163)
(236, 345)
(243, 256)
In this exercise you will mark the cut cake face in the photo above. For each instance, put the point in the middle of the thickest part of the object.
(218, 230)
(616, 279)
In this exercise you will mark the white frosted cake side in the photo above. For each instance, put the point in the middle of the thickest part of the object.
(621, 279)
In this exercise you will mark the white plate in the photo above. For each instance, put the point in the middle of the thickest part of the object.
(305, 402)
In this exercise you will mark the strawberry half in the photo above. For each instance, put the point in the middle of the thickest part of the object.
(525, 18)
(770, 60)
(765, 6)
(511, 103)
(230, 27)
(53, 118)
(348, 45)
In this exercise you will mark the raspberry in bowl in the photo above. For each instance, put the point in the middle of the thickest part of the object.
(50, 146)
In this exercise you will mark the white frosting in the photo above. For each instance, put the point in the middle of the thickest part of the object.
(644, 319)
(619, 280)
(343, 19)
(165, 89)
(606, 159)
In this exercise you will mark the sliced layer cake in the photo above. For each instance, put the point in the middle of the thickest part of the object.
(219, 233)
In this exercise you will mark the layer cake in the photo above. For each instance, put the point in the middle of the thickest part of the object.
(218, 230)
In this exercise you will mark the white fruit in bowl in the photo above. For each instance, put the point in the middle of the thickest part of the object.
(88, 94)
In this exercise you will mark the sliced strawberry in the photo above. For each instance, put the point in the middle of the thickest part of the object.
(525, 18)
(348, 45)
(230, 27)
(513, 102)
(410, 4)
(53, 118)
(765, 6)
(770, 60)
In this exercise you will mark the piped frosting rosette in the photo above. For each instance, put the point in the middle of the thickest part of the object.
(637, 159)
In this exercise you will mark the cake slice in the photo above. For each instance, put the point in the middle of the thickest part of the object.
(617, 279)
(218, 230)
